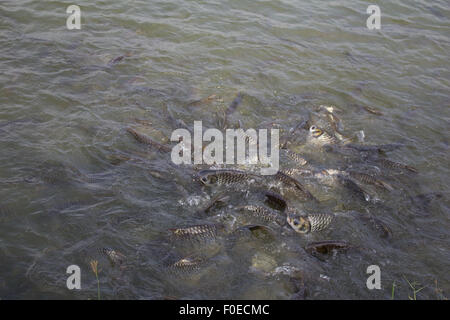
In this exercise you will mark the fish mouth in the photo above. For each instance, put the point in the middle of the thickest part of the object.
(315, 131)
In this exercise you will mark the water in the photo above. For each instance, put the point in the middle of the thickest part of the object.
(64, 112)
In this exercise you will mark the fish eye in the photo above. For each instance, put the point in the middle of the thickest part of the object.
(296, 223)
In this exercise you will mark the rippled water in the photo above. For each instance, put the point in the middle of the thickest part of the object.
(67, 188)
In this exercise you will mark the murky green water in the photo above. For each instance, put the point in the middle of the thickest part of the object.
(66, 189)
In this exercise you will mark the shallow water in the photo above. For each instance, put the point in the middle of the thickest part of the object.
(64, 109)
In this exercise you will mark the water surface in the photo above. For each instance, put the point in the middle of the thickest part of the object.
(64, 111)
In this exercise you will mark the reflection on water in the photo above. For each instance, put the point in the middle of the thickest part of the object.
(73, 181)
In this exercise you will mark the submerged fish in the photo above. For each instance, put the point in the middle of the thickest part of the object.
(327, 246)
(296, 157)
(114, 256)
(395, 165)
(422, 202)
(294, 184)
(202, 101)
(211, 177)
(372, 110)
(275, 200)
(368, 179)
(350, 185)
(146, 140)
(115, 60)
(220, 198)
(380, 227)
(382, 148)
(234, 104)
(262, 213)
(333, 177)
(309, 223)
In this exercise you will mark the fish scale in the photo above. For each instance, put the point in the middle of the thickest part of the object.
(296, 157)
(309, 223)
(205, 231)
(291, 182)
(224, 176)
(395, 165)
(365, 178)
(262, 213)
(186, 265)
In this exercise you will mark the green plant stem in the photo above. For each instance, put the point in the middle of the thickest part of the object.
(98, 286)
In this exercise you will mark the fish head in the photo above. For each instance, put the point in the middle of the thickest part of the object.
(208, 178)
(300, 224)
(315, 131)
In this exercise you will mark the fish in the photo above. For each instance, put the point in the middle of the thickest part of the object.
(334, 123)
(379, 226)
(197, 232)
(114, 256)
(143, 122)
(320, 137)
(293, 172)
(275, 200)
(187, 264)
(262, 213)
(332, 177)
(383, 148)
(115, 60)
(248, 233)
(220, 198)
(350, 185)
(372, 110)
(234, 104)
(395, 165)
(211, 177)
(368, 179)
(297, 158)
(309, 223)
(116, 159)
(294, 184)
(327, 246)
(203, 101)
(146, 140)
(422, 202)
